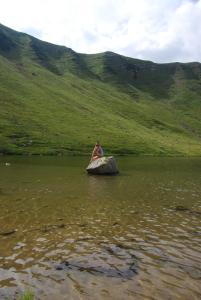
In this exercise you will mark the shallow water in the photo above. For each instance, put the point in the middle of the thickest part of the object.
(67, 235)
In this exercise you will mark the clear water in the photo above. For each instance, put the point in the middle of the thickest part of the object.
(67, 235)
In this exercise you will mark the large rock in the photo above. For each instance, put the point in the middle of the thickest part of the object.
(103, 165)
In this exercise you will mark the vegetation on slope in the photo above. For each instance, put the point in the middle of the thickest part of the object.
(56, 101)
(27, 295)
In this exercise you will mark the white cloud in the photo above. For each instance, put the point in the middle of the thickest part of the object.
(157, 30)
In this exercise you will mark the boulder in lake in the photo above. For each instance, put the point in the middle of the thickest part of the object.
(103, 165)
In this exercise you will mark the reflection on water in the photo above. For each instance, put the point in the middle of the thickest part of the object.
(68, 235)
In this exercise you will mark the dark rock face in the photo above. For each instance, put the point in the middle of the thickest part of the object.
(103, 165)
(119, 262)
(126, 273)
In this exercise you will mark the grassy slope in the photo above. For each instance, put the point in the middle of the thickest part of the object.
(54, 100)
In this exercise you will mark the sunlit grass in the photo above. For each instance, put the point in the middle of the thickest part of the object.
(58, 102)
(27, 295)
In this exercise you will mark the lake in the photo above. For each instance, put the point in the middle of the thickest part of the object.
(68, 235)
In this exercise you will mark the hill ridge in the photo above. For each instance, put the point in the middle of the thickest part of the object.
(55, 100)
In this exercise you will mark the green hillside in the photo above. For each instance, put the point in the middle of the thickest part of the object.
(56, 101)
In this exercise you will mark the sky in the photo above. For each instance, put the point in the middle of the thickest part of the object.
(157, 30)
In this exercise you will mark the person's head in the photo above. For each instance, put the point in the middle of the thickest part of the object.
(97, 144)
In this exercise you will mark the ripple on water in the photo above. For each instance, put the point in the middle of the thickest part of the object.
(115, 238)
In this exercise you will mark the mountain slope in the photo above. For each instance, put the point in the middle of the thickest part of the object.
(54, 100)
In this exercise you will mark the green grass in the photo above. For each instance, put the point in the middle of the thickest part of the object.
(56, 101)
(28, 295)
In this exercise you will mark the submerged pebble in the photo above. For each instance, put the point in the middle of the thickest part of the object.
(8, 232)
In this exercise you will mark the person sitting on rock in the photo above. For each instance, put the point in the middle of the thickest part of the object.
(97, 152)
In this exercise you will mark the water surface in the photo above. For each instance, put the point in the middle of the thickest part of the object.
(67, 235)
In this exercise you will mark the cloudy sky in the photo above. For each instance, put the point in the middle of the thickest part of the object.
(157, 30)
